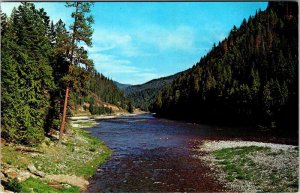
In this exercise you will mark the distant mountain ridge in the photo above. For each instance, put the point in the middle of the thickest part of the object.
(143, 95)
(121, 86)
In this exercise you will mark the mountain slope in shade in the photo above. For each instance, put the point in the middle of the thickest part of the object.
(144, 94)
(251, 77)
(121, 86)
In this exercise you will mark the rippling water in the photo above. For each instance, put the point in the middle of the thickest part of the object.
(153, 154)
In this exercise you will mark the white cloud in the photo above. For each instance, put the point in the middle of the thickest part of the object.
(111, 64)
(180, 38)
(134, 42)
(122, 70)
(108, 40)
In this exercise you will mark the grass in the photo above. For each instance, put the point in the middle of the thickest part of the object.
(38, 185)
(237, 168)
(12, 157)
(79, 154)
(239, 164)
(85, 123)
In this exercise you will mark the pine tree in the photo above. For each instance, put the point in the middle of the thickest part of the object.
(26, 75)
(253, 76)
(81, 31)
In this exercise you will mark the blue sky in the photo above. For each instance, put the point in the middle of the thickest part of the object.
(134, 42)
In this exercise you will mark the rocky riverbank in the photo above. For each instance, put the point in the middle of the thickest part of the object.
(52, 166)
(252, 166)
(87, 121)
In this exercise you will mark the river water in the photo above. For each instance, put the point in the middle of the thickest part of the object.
(155, 155)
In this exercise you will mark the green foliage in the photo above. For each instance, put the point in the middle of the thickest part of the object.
(106, 90)
(251, 77)
(242, 163)
(142, 96)
(38, 185)
(99, 110)
(13, 185)
(101, 88)
(235, 161)
(26, 75)
(130, 107)
(39, 59)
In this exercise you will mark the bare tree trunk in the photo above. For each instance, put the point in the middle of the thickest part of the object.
(62, 126)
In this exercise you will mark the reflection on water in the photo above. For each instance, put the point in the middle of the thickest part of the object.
(153, 154)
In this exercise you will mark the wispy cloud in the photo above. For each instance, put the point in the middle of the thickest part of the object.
(179, 38)
(134, 43)
(121, 69)
(111, 64)
(111, 39)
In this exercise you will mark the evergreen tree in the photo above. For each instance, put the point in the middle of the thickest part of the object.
(26, 75)
(249, 78)
(79, 64)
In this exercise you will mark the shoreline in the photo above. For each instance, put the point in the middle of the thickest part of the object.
(251, 166)
(100, 117)
(53, 167)
(87, 121)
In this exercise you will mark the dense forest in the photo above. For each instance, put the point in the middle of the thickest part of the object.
(251, 77)
(100, 90)
(41, 62)
(143, 95)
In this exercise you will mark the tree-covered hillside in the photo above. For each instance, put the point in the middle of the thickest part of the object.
(41, 61)
(121, 86)
(251, 77)
(143, 95)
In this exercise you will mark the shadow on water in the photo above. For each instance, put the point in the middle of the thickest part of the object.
(152, 154)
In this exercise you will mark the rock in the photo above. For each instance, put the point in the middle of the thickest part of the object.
(33, 155)
(1, 175)
(55, 185)
(23, 175)
(11, 173)
(40, 173)
(2, 141)
(73, 180)
(66, 186)
(33, 170)
(1, 188)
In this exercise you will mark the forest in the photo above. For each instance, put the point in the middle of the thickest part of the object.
(249, 78)
(143, 95)
(41, 62)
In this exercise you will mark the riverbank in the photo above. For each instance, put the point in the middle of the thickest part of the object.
(53, 167)
(87, 121)
(252, 166)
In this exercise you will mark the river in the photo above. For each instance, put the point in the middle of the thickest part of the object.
(151, 154)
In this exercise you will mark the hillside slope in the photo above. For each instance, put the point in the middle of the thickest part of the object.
(251, 77)
(103, 97)
(144, 94)
(121, 86)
